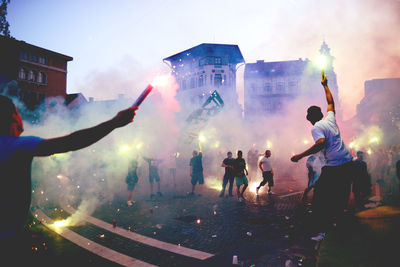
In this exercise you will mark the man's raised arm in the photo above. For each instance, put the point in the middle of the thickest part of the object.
(329, 98)
(86, 137)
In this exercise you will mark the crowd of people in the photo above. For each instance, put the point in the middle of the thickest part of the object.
(332, 169)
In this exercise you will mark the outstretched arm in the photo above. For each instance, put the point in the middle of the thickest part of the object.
(329, 98)
(86, 137)
(318, 146)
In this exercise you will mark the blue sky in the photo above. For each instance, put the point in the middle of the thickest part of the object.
(124, 40)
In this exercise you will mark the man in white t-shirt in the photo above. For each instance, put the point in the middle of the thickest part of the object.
(332, 189)
(16, 154)
(267, 172)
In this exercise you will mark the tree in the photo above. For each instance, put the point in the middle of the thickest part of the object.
(4, 25)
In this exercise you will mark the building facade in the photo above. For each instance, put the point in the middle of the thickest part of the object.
(40, 73)
(270, 86)
(204, 68)
(381, 107)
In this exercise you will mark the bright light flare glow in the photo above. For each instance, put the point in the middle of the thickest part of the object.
(306, 142)
(160, 80)
(374, 140)
(214, 183)
(321, 61)
(202, 138)
(139, 146)
(269, 144)
(124, 148)
(59, 224)
(253, 187)
(369, 151)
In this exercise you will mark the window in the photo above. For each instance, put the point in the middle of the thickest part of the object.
(201, 81)
(280, 87)
(218, 80)
(192, 82)
(23, 55)
(41, 78)
(42, 60)
(218, 61)
(33, 58)
(31, 76)
(292, 86)
(22, 74)
(267, 88)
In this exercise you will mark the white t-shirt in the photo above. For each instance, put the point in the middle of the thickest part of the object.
(335, 152)
(266, 164)
(16, 154)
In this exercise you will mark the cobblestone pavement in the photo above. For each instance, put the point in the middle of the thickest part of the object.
(261, 231)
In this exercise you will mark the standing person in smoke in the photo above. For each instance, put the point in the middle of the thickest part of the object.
(252, 159)
(240, 169)
(361, 181)
(229, 175)
(196, 170)
(154, 175)
(314, 164)
(16, 154)
(132, 178)
(267, 172)
(332, 189)
(172, 168)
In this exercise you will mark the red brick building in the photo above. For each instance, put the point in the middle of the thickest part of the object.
(39, 73)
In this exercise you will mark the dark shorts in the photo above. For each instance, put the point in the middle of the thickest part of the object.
(241, 180)
(131, 180)
(268, 178)
(154, 177)
(197, 177)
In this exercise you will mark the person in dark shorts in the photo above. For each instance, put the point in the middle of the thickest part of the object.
(229, 175)
(196, 170)
(361, 181)
(240, 169)
(132, 179)
(153, 174)
(267, 172)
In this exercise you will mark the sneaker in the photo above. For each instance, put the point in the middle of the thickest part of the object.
(257, 191)
(221, 195)
(230, 195)
(318, 237)
(130, 203)
(239, 199)
(270, 193)
(159, 194)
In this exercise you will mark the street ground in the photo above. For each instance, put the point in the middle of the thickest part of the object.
(261, 231)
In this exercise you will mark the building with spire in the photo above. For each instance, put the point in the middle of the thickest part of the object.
(270, 86)
(204, 68)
